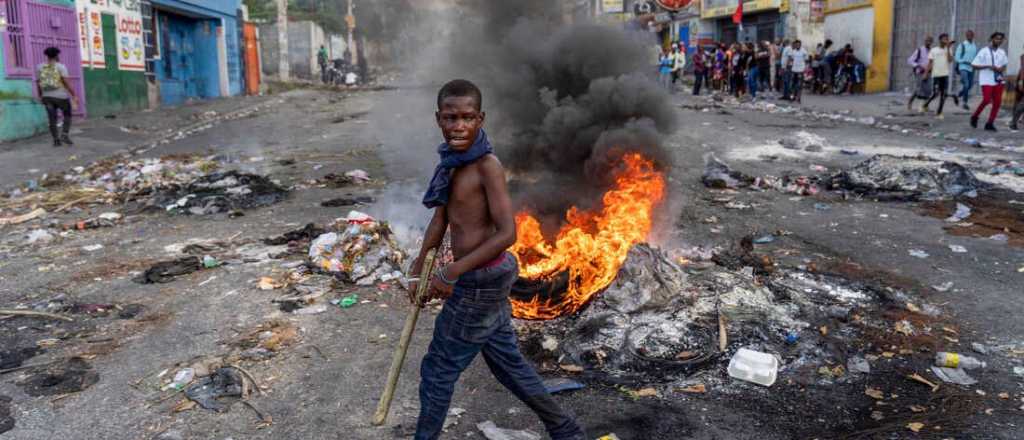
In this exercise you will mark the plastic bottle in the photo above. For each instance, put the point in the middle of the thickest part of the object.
(956, 360)
(181, 379)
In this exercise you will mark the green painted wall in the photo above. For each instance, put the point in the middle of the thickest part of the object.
(20, 115)
(109, 90)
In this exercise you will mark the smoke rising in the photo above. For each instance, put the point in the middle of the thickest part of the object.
(563, 101)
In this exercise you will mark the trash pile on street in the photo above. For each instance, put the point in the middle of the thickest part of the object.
(907, 178)
(360, 249)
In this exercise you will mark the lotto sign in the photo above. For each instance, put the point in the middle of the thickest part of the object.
(130, 51)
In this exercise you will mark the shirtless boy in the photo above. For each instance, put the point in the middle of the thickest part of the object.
(469, 195)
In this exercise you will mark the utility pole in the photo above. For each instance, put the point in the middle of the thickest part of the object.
(350, 21)
(282, 40)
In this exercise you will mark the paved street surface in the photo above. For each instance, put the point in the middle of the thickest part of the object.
(324, 379)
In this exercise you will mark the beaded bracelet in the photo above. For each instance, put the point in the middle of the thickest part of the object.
(444, 279)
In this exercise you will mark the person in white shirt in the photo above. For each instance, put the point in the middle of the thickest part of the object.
(939, 60)
(795, 60)
(991, 65)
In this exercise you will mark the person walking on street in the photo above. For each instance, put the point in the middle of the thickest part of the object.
(991, 65)
(965, 53)
(56, 94)
(718, 78)
(939, 60)
(922, 83)
(1018, 107)
(784, 72)
(795, 59)
(759, 63)
(321, 60)
(699, 70)
(678, 64)
(665, 69)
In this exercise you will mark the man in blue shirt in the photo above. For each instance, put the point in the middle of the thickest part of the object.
(965, 53)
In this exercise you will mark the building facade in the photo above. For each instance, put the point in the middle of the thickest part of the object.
(866, 25)
(30, 27)
(196, 49)
(113, 55)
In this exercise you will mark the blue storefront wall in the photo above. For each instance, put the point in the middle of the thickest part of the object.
(189, 66)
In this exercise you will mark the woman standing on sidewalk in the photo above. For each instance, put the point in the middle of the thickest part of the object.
(56, 94)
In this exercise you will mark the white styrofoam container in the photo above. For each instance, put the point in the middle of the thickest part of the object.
(754, 366)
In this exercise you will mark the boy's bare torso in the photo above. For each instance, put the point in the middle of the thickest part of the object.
(468, 215)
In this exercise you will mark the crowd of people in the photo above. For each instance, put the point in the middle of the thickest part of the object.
(779, 69)
(783, 69)
(933, 66)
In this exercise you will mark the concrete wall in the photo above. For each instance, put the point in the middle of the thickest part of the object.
(304, 40)
(856, 27)
(1015, 36)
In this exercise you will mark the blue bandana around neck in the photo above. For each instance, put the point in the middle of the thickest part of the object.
(437, 192)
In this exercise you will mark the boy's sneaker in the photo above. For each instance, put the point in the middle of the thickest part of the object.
(66, 139)
(974, 122)
(967, 107)
(990, 127)
(940, 117)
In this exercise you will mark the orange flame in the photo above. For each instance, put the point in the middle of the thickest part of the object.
(591, 246)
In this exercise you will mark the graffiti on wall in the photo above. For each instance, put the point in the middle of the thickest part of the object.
(127, 16)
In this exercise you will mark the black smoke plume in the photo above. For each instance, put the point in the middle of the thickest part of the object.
(566, 100)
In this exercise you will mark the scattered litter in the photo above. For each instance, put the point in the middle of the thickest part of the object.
(953, 375)
(980, 348)
(957, 249)
(307, 233)
(753, 366)
(166, 271)
(493, 432)
(358, 175)
(822, 206)
(917, 378)
(1002, 238)
(560, 384)
(803, 140)
(347, 201)
(220, 193)
(915, 426)
(39, 236)
(849, 152)
(347, 301)
(858, 365)
(311, 310)
(181, 379)
(694, 389)
(718, 175)
(943, 287)
(225, 382)
(956, 360)
(962, 212)
(918, 253)
(92, 247)
(765, 239)
(268, 283)
(874, 393)
(6, 418)
(18, 219)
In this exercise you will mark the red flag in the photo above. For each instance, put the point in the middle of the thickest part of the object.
(737, 17)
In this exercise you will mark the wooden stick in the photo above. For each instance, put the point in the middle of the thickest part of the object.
(723, 335)
(26, 367)
(33, 313)
(249, 375)
(403, 343)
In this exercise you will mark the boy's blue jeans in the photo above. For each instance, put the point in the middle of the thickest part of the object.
(477, 319)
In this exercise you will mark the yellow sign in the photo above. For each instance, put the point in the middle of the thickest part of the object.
(725, 8)
(612, 6)
(350, 21)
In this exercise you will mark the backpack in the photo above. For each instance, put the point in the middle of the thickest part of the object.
(50, 78)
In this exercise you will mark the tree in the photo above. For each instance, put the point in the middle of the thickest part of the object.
(261, 10)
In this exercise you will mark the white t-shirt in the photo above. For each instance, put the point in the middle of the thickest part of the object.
(940, 62)
(988, 57)
(799, 59)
